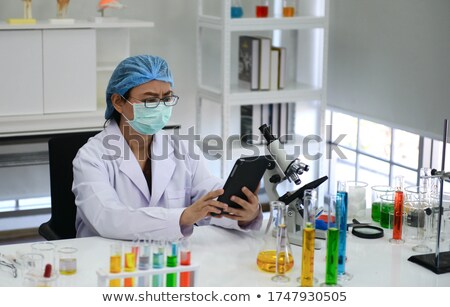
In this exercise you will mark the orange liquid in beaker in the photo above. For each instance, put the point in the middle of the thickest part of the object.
(266, 261)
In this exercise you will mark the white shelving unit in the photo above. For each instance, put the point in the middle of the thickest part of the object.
(219, 94)
(54, 77)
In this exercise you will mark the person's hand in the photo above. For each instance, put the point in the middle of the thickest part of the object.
(250, 208)
(203, 208)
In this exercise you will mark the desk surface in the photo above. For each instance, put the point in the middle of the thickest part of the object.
(228, 258)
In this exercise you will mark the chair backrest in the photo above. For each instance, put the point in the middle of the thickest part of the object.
(62, 150)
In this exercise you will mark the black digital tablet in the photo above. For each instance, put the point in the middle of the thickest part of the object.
(246, 172)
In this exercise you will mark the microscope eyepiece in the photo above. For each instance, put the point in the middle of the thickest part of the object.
(265, 130)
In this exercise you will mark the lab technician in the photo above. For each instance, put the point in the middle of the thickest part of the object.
(133, 178)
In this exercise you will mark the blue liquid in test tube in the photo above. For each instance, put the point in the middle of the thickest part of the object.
(144, 264)
(343, 206)
(158, 263)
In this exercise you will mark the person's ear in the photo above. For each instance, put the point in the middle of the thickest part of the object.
(118, 102)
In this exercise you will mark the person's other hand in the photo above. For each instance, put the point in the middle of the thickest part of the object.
(203, 207)
(250, 208)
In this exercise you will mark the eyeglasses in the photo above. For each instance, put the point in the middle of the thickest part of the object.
(153, 102)
(10, 266)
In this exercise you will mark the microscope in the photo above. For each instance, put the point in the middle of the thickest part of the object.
(285, 169)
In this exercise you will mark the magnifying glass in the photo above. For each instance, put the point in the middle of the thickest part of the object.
(366, 231)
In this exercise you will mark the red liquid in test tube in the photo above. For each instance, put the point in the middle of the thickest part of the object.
(398, 215)
(185, 277)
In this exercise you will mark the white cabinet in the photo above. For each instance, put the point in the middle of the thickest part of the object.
(53, 77)
(69, 70)
(20, 77)
(220, 95)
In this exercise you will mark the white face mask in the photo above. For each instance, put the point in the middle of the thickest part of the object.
(149, 120)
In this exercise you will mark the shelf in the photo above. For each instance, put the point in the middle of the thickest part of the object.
(240, 95)
(50, 123)
(80, 24)
(262, 24)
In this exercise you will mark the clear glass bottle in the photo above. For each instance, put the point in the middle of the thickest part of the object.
(236, 9)
(275, 238)
(289, 8)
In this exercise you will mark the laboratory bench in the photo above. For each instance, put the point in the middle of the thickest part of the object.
(228, 258)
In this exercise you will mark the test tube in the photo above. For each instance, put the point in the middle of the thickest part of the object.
(185, 259)
(130, 262)
(333, 222)
(115, 262)
(157, 262)
(144, 262)
(171, 262)
(309, 202)
(342, 210)
(398, 212)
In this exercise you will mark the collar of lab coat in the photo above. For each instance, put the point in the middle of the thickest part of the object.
(162, 168)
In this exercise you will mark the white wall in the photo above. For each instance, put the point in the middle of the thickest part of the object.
(173, 37)
(389, 60)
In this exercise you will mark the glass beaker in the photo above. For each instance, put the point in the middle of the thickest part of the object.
(387, 211)
(67, 260)
(356, 199)
(262, 8)
(308, 242)
(236, 9)
(289, 8)
(267, 256)
(377, 192)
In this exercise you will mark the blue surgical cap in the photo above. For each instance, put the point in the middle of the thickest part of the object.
(134, 71)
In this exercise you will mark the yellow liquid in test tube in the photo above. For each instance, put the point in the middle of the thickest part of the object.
(130, 266)
(115, 266)
(307, 278)
(266, 261)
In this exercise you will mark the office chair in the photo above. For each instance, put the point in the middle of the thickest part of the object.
(62, 149)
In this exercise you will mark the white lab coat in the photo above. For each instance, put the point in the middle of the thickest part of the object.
(112, 195)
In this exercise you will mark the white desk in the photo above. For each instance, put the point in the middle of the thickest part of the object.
(228, 258)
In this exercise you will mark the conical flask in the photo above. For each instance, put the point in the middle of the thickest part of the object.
(267, 256)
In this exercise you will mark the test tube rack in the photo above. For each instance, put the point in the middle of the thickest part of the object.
(104, 276)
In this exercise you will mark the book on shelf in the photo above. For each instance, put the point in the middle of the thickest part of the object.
(249, 61)
(279, 116)
(246, 123)
(265, 47)
(255, 61)
(281, 66)
(274, 68)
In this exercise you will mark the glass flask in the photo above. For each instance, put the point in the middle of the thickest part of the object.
(262, 9)
(276, 232)
(289, 8)
(236, 9)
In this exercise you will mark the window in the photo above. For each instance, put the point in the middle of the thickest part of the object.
(376, 153)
